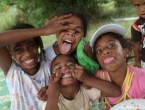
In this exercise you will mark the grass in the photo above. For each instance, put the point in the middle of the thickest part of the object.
(7, 18)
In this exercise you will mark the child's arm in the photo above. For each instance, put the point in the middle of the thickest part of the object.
(5, 60)
(53, 92)
(107, 88)
(136, 50)
(53, 26)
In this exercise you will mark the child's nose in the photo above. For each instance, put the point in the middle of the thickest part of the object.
(71, 32)
(64, 69)
(142, 8)
(106, 52)
(27, 53)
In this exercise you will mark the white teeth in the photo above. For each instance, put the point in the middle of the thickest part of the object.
(68, 41)
(67, 75)
(29, 61)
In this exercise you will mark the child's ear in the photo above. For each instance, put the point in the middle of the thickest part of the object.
(126, 52)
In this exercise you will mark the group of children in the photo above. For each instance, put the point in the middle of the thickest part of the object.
(53, 75)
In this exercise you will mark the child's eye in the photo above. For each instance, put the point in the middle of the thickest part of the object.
(32, 45)
(58, 68)
(71, 65)
(111, 45)
(136, 5)
(18, 50)
(76, 31)
(99, 50)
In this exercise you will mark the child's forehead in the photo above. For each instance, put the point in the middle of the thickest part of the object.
(106, 38)
(63, 59)
(137, 1)
(28, 41)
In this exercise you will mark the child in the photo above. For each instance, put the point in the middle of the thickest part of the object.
(22, 65)
(112, 51)
(67, 40)
(65, 91)
(138, 33)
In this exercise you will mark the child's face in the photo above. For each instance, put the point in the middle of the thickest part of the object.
(68, 40)
(65, 65)
(139, 6)
(109, 53)
(25, 53)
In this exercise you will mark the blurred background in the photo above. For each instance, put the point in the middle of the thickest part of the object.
(38, 12)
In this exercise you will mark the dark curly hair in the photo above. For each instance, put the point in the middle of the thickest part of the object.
(37, 39)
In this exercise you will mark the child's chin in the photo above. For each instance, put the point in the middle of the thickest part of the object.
(68, 81)
(143, 16)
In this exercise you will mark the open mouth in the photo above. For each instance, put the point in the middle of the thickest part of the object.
(66, 46)
(108, 60)
(143, 14)
(66, 76)
(66, 73)
(29, 61)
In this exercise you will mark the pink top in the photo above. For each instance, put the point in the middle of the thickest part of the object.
(137, 87)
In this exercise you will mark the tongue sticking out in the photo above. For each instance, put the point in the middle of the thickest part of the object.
(108, 60)
(66, 46)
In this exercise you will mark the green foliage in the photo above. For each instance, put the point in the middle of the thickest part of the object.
(37, 12)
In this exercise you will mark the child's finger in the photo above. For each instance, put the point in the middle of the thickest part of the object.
(86, 46)
(42, 92)
(79, 67)
(53, 19)
(84, 42)
(38, 93)
(73, 74)
(44, 97)
(58, 75)
(64, 16)
(51, 78)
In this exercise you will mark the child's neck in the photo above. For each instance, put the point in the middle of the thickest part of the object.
(119, 75)
(69, 92)
(33, 71)
(56, 49)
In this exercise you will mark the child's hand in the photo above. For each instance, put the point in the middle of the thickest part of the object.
(80, 73)
(54, 86)
(88, 50)
(58, 24)
(42, 94)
